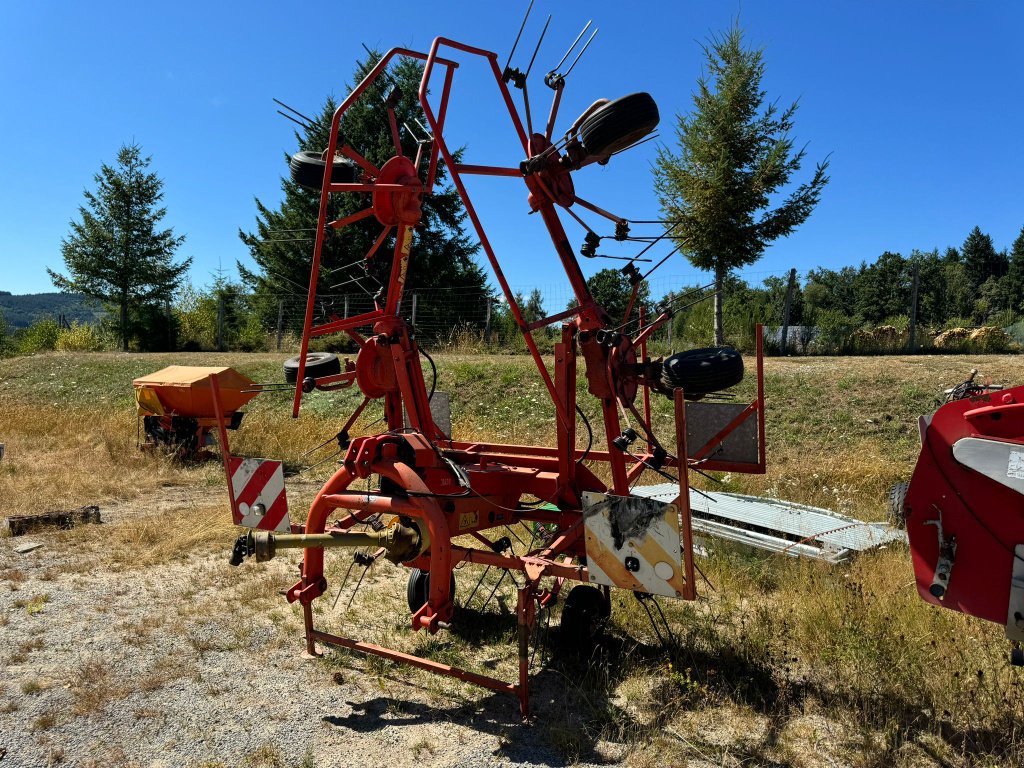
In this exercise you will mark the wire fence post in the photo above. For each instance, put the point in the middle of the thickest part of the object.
(487, 321)
(913, 309)
(280, 322)
(170, 325)
(784, 341)
(220, 323)
(412, 320)
(346, 305)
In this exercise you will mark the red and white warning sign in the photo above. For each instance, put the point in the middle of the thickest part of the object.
(257, 494)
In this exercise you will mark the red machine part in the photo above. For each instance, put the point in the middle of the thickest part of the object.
(963, 514)
(451, 488)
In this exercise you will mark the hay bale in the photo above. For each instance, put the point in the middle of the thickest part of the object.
(991, 339)
(953, 340)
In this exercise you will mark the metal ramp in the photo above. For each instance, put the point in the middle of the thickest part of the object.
(778, 526)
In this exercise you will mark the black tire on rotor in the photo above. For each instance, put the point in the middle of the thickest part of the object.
(418, 589)
(583, 618)
(317, 364)
(897, 504)
(619, 124)
(702, 371)
(307, 170)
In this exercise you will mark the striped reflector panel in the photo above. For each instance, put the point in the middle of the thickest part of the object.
(257, 486)
(633, 543)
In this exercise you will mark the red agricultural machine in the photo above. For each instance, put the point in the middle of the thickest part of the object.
(435, 502)
(962, 507)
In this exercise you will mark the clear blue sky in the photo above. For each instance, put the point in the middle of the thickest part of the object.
(919, 103)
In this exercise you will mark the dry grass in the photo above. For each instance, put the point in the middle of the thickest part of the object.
(93, 686)
(784, 662)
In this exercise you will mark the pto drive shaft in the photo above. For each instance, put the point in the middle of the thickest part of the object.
(400, 542)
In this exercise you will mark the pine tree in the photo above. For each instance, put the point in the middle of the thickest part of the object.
(443, 253)
(1013, 283)
(115, 253)
(980, 259)
(733, 157)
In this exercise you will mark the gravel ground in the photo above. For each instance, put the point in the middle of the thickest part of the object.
(187, 663)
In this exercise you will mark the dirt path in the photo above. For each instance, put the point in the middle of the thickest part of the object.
(190, 662)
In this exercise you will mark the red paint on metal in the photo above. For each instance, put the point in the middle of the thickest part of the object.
(453, 488)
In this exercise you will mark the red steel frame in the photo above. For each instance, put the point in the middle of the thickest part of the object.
(418, 461)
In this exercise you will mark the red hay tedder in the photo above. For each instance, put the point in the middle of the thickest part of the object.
(435, 496)
(432, 499)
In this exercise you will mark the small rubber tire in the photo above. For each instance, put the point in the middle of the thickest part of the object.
(307, 170)
(618, 124)
(418, 589)
(702, 371)
(317, 364)
(583, 618)
(897, 505)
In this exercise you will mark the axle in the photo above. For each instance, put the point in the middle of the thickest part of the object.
(400, 542)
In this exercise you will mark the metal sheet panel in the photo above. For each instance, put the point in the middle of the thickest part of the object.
(778, 526)
(705, 420)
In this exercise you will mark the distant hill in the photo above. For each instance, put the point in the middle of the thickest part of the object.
(20, 311)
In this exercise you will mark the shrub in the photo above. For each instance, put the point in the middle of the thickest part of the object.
(41, 336)
(79, 338)
(835, 332)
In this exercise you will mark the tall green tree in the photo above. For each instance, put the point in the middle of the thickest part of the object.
(282, 244)
(981, 260)
(116, 252)
(734, 154)
(1013, 283)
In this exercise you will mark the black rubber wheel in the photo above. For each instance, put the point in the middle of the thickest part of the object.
(897, 505)
(317, 364)
(308, 170)
(583, 618)
(618, 124)
(419, 588)
(702, 371)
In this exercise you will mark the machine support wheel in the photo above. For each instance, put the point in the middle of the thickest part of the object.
(619, 124)
(702, 371)
(307, 170)
(897, 505)
(317, 364)
(584, 615)
(418, 589)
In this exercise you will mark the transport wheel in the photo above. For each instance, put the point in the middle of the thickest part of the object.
(583, 618)
(317, 364)
(618, 124)
(419, 588)
(702, 371)
(897, 502)
(307, 169)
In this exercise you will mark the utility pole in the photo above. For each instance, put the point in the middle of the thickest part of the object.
(784, 344)
(280, 322)
(913, 309)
